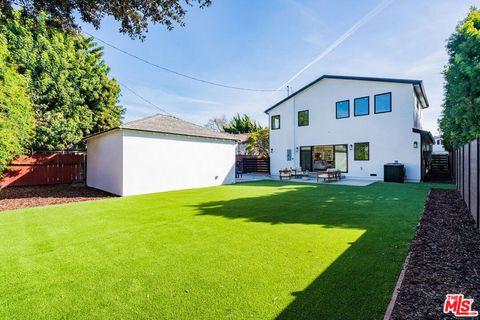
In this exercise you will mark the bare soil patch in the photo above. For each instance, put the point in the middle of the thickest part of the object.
(26, 197)
(444, 258)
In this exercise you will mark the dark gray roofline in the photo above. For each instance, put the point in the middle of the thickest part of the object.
(417, 83)
(127, 126)
(424, 133)
(155, 131)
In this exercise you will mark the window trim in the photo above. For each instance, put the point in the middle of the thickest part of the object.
(336, 109)
(308, 118)
(368, 107)
(355, 154)
(375, 102)
(271, 122)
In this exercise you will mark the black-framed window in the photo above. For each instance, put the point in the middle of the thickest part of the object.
(343, 109)
(361, 106)
(361, 151)
(303, 118)
(383, 102)
(275, 122)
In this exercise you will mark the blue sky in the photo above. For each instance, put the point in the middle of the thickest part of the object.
(262, 44)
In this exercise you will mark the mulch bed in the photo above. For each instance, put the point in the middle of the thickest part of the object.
(444, 258)
(26, 197)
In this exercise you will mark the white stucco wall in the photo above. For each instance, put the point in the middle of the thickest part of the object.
(389, 134)
(105, 162)
(155, 162)
(127, 162)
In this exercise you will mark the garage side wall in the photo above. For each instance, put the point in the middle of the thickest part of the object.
(104, 162)
(155, 162)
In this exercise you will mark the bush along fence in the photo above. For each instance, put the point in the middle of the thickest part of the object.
(46, 168)
(466, 165)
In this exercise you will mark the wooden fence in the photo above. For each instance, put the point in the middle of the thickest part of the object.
(466, 168)
(50, 168)
(261, 165)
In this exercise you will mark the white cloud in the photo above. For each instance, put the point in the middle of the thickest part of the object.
(365, 19)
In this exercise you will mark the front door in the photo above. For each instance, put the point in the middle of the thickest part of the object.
(306, 158)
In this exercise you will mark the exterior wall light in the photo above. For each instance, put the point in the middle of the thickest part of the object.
(350, 146)
(296, 149)
(271, 150)
(415, 144)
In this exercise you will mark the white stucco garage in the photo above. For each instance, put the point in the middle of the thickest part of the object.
(159, 153)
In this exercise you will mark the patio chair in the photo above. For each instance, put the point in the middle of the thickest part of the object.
(298, 172)
(285, 174)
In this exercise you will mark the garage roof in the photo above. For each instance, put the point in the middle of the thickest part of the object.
(169, 124)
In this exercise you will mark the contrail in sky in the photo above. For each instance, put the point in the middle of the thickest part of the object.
(342, 38)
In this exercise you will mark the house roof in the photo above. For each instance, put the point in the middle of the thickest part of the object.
(417, 84)
(424, 134)
(172, 125)
(242, 137)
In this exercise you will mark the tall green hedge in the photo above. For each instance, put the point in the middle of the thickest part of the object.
(70, 90)
(460, 121)
(16, 115)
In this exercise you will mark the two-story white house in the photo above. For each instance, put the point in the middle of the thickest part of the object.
(355, 124)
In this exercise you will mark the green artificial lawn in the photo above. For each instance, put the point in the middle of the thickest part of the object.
(260, 250)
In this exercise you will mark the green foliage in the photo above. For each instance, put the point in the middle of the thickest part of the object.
(242, 124)
(16, 116)
(258, 143)
(460, 121)
(134, 16)
(71, 92)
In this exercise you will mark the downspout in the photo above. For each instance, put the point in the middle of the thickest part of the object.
(294, 141)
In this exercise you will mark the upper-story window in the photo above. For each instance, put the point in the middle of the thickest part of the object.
(383, 102)
(275, 122)
(343, 109)
(303, 118)
(361, 106)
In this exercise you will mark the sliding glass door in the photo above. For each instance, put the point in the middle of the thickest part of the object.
(341, 157)
(321, 158)
(306, 158)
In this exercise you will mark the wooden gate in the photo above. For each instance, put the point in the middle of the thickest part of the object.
(261, 165)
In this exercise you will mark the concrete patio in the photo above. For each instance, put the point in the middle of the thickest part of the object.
(310, 179)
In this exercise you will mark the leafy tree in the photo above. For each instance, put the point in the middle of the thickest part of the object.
(134, 16)
(258, 143)
(460, 121)
(70, 90)
(242, 124)
(16, 116)
(217, 123)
